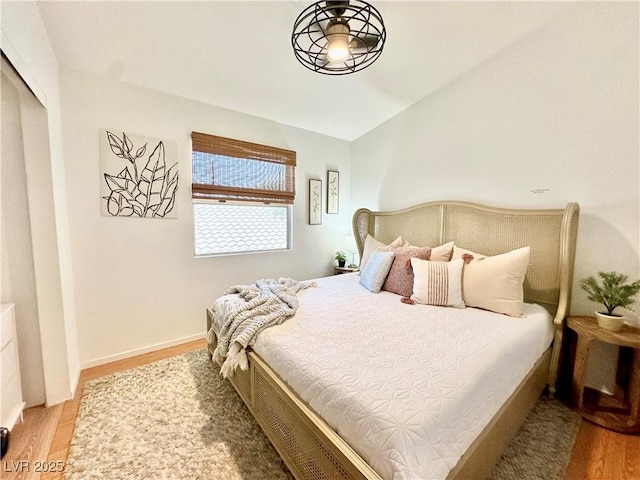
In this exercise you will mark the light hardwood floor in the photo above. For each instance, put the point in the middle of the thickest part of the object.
(44, 437)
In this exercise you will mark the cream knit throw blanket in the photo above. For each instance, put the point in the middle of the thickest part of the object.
(266, 303)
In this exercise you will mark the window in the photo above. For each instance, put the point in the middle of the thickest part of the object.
(242, 194)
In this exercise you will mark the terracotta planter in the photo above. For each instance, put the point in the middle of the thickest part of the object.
(613, 323)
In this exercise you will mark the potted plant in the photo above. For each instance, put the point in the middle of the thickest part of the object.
(613, 292)
(341, 257)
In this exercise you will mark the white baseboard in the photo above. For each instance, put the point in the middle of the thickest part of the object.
(140, 351)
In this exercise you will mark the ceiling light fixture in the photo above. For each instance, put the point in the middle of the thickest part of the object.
(338, 37)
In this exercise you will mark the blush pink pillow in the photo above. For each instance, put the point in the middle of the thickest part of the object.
(400, 277)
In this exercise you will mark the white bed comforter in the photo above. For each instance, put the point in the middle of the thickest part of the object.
(409, 387)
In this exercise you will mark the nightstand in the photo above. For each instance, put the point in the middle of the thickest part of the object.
(620, 411)
(341, 270)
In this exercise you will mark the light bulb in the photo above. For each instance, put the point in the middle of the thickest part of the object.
(338, 43)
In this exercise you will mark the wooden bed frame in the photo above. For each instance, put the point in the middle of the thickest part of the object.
(312, 450)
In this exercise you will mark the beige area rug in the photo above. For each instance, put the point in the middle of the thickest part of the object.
(178, 419)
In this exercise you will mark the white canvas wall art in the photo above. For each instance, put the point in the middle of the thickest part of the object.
(139, 176)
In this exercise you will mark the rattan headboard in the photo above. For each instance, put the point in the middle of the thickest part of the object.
(551, 234)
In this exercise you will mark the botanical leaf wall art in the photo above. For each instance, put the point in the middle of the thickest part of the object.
(140, 176)
(315, 201)
(333, 191)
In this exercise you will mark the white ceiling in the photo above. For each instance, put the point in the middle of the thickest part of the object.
(238, 55)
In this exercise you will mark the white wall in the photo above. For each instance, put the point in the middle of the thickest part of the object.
(25, 42)
(137, 283)
(556, 111)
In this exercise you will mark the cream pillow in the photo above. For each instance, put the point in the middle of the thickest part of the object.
(495, 283)
(442, 253)
(372, 245)
(437, 283)
(438, 254)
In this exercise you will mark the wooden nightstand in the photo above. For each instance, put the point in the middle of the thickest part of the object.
(341, 270)
(620, 411)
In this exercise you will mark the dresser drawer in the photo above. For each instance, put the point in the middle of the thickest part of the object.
(9, 363)
(11, 402)
(6, 333)
(11, 405)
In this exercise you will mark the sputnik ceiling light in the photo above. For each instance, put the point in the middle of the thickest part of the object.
(338, 37)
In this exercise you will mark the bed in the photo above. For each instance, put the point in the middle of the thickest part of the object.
(320, 436)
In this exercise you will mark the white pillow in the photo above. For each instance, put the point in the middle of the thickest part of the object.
(371, 245)
(376, 270)
(437, 283)
(495, 283)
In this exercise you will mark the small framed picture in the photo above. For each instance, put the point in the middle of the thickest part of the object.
(333, 191)
(315, 202)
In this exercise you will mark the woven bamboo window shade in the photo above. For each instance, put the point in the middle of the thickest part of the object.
(228, 169)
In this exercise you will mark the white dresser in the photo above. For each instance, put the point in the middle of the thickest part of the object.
(12, 404)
